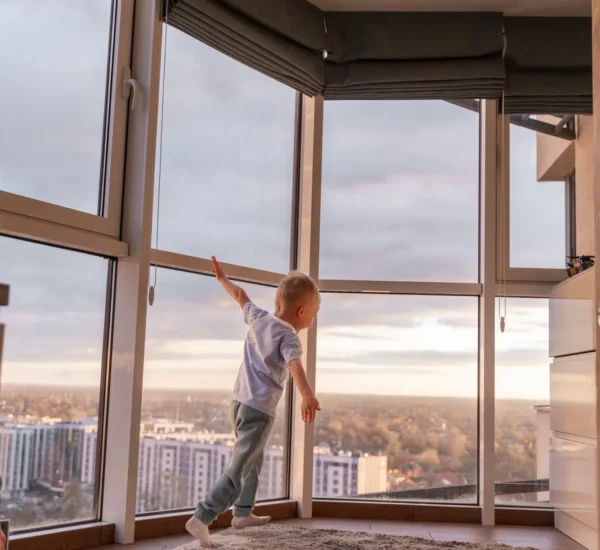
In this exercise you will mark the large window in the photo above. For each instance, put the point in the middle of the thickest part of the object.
(400, 191)
(227, 159)
(194, 348)
(52, 375)
(537, 209)
(52, 99)
(522, 404)
(397, 381)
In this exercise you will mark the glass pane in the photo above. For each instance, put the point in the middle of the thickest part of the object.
(537, 208)
(52, 99)
(400, 191)
(522, 404)
(227, 159)
(397, 382)
(194, 345)
(51, 379)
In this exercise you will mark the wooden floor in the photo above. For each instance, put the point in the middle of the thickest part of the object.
(544, 538)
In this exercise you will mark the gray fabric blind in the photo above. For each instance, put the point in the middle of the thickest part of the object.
(430, 79)
(369, 55)
(403, 36)
(414, 56)
(548, 65)
(245, 31)
(545, 68)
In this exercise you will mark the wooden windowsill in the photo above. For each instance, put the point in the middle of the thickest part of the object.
(93, 535)
(396, 511)
(75, 537)
(166, 525)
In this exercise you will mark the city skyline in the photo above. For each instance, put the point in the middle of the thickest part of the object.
(382, 446)
(177, 464)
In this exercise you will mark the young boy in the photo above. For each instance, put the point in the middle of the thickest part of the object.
(272, 348)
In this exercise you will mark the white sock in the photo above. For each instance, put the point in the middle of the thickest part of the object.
(200, 531)
(250, 521)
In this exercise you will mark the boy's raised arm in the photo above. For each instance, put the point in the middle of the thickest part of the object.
(236, 292)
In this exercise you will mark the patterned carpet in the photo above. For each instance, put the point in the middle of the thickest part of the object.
(278, 537)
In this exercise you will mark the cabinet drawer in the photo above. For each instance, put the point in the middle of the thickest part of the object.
(573, 395)
(572, 316)
(573, 479)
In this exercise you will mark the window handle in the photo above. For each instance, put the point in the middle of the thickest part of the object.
(130, 84)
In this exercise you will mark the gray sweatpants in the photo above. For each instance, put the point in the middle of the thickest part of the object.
(239, 483)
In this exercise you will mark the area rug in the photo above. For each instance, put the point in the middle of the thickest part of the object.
(279, 537)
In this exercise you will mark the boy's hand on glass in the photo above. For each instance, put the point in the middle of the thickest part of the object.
(217, 270)
(310, 406)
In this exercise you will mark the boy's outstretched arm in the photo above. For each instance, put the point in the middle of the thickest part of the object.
(236, 292)
(310, 405)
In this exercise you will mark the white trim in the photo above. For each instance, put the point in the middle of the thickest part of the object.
(115, 150)
(56, 234)
(522, 274)
(503, 266)
(525, 290)
(131, 299)
(117, 128)
(400, 287)
(203, 266)
(41, 210)
(487, 310)
(503, 194)
(303, 435)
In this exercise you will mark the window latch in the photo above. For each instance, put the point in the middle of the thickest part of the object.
(130, 84)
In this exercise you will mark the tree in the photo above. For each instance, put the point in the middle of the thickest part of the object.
(75, 504)
(429, 458)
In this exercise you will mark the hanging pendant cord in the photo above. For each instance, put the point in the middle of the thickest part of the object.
(503, 223)
(152, 289)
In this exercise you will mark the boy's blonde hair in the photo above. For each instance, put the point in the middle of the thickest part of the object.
(293, 289)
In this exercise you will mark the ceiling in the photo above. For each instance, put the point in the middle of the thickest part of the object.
(547, 8)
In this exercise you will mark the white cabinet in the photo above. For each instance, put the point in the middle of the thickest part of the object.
(573, 475)
(573, 409)
(573, 395)
(572, 316)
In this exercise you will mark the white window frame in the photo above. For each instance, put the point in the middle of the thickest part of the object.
(486, 364)
(504, 270)
(113, 148)
(522, 283)
(40, 230)
(129, 336)
(486, 414)
(42, 222)
(203, 266)
(356, 286)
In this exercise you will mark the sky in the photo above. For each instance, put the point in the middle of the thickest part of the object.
(400, 202)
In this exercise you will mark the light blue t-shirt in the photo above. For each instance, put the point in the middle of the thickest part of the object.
(270, 345)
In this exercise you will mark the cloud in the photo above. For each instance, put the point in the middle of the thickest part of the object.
(404, 362)
(397, 311)
(53, 99)
(400, 202)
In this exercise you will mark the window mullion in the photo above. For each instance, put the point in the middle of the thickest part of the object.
(129, 324)
(487, 313)
(303, 435)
